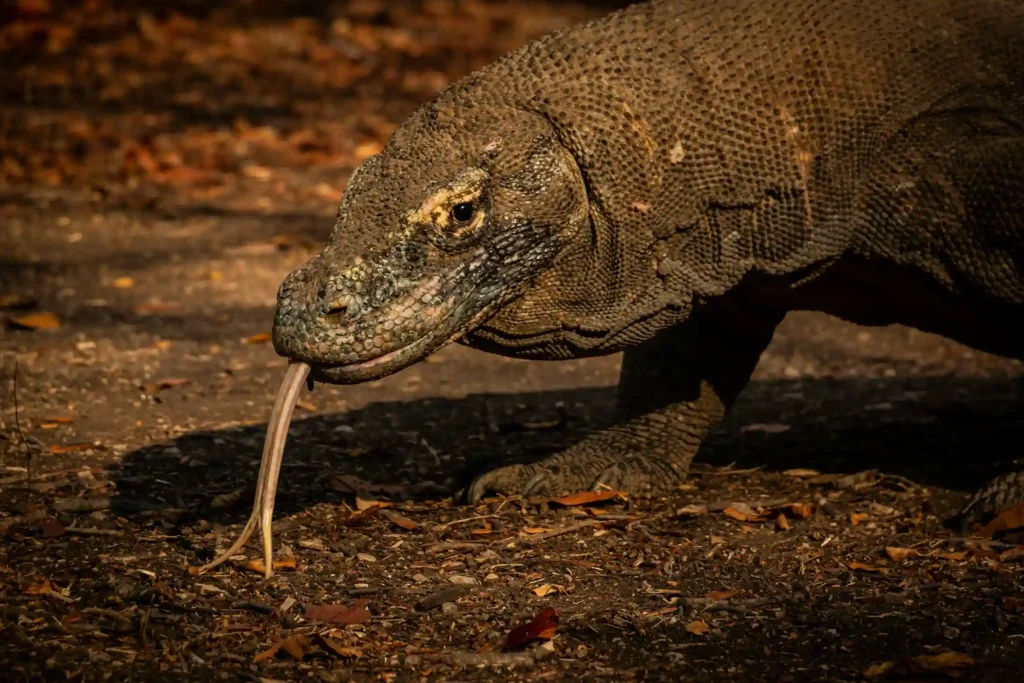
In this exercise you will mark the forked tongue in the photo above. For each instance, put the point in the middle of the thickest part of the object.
(270, 468)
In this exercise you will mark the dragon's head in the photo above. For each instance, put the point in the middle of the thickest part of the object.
(450, 223)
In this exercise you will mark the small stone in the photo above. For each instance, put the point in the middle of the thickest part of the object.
(449, 608)
(462, 580)
(366, 557)
(491, 577)
(419, 578)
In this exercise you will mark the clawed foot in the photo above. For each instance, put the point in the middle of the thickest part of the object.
(577, 471)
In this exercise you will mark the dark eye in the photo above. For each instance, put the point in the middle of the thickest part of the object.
(463, 213)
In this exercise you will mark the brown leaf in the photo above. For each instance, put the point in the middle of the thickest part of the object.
(957, 556)
(949, 663)
(1012, 554)
(60, 419)
(721, 595)
(486, 529)
(335, 647)
(169, 383)
(58, 449)
(801, 473)
(363, 504)
(284, 563)
(356, 613)
(15, 301)
(399, 520)
(545, 590)
(123, 282)
(860, 567)
(297, 645)
(44, 588)
(781, 523)
(692, 511)
(740, 515)
(858, 517)
(899, 554)
(879, 670)
(698, 627)
(536, 530)
(51, 528)
(542, 627)
(1007, 520)
(588, 497)
(35, 321)
(258, 338)
(801, 510)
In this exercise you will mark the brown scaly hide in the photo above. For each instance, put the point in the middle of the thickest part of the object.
(669, 181)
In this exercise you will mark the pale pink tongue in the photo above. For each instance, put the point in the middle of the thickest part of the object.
(270, 468)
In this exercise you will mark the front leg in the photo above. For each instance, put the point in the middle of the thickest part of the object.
(673, 390)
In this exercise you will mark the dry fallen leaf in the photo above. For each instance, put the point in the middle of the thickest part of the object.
(801, 510)
(1012, 554)
(123, 282)
(35, 321)
(698, 627)
(899, 554)
(296, 645)
(858, 517)
(860, 567)
(44, 588)
(949, 664)
(781, 523)
(59, 419)
(483, 531)
(335, 647)
(259, 338)
(58, 449)
(16, 301)
(536, 530)
(541, 627)
(399, 520)
(258, 566)
(166, 383)
(364, 504)
(1007, 520)
(957, 556)
(588, 497)
(692, 511)
(721, 595)
(742, 515)
(356, 613)
(801, 473)
(546, 589)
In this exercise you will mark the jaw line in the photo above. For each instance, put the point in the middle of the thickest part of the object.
(399, 359)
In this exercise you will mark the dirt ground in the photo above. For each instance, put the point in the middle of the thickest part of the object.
(161, 172)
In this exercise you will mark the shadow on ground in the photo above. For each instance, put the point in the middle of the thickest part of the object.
(948, 433)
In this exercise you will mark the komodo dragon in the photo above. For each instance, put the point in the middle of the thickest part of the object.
(669, 181)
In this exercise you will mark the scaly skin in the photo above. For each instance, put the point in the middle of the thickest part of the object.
(669, 182)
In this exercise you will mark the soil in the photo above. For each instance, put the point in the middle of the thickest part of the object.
(160, 173)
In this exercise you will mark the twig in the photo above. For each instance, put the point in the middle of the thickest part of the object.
(453, 545)
(564, 530)
(93, 532)
(441, 527)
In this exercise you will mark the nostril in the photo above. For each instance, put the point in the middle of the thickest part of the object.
(342, 306)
